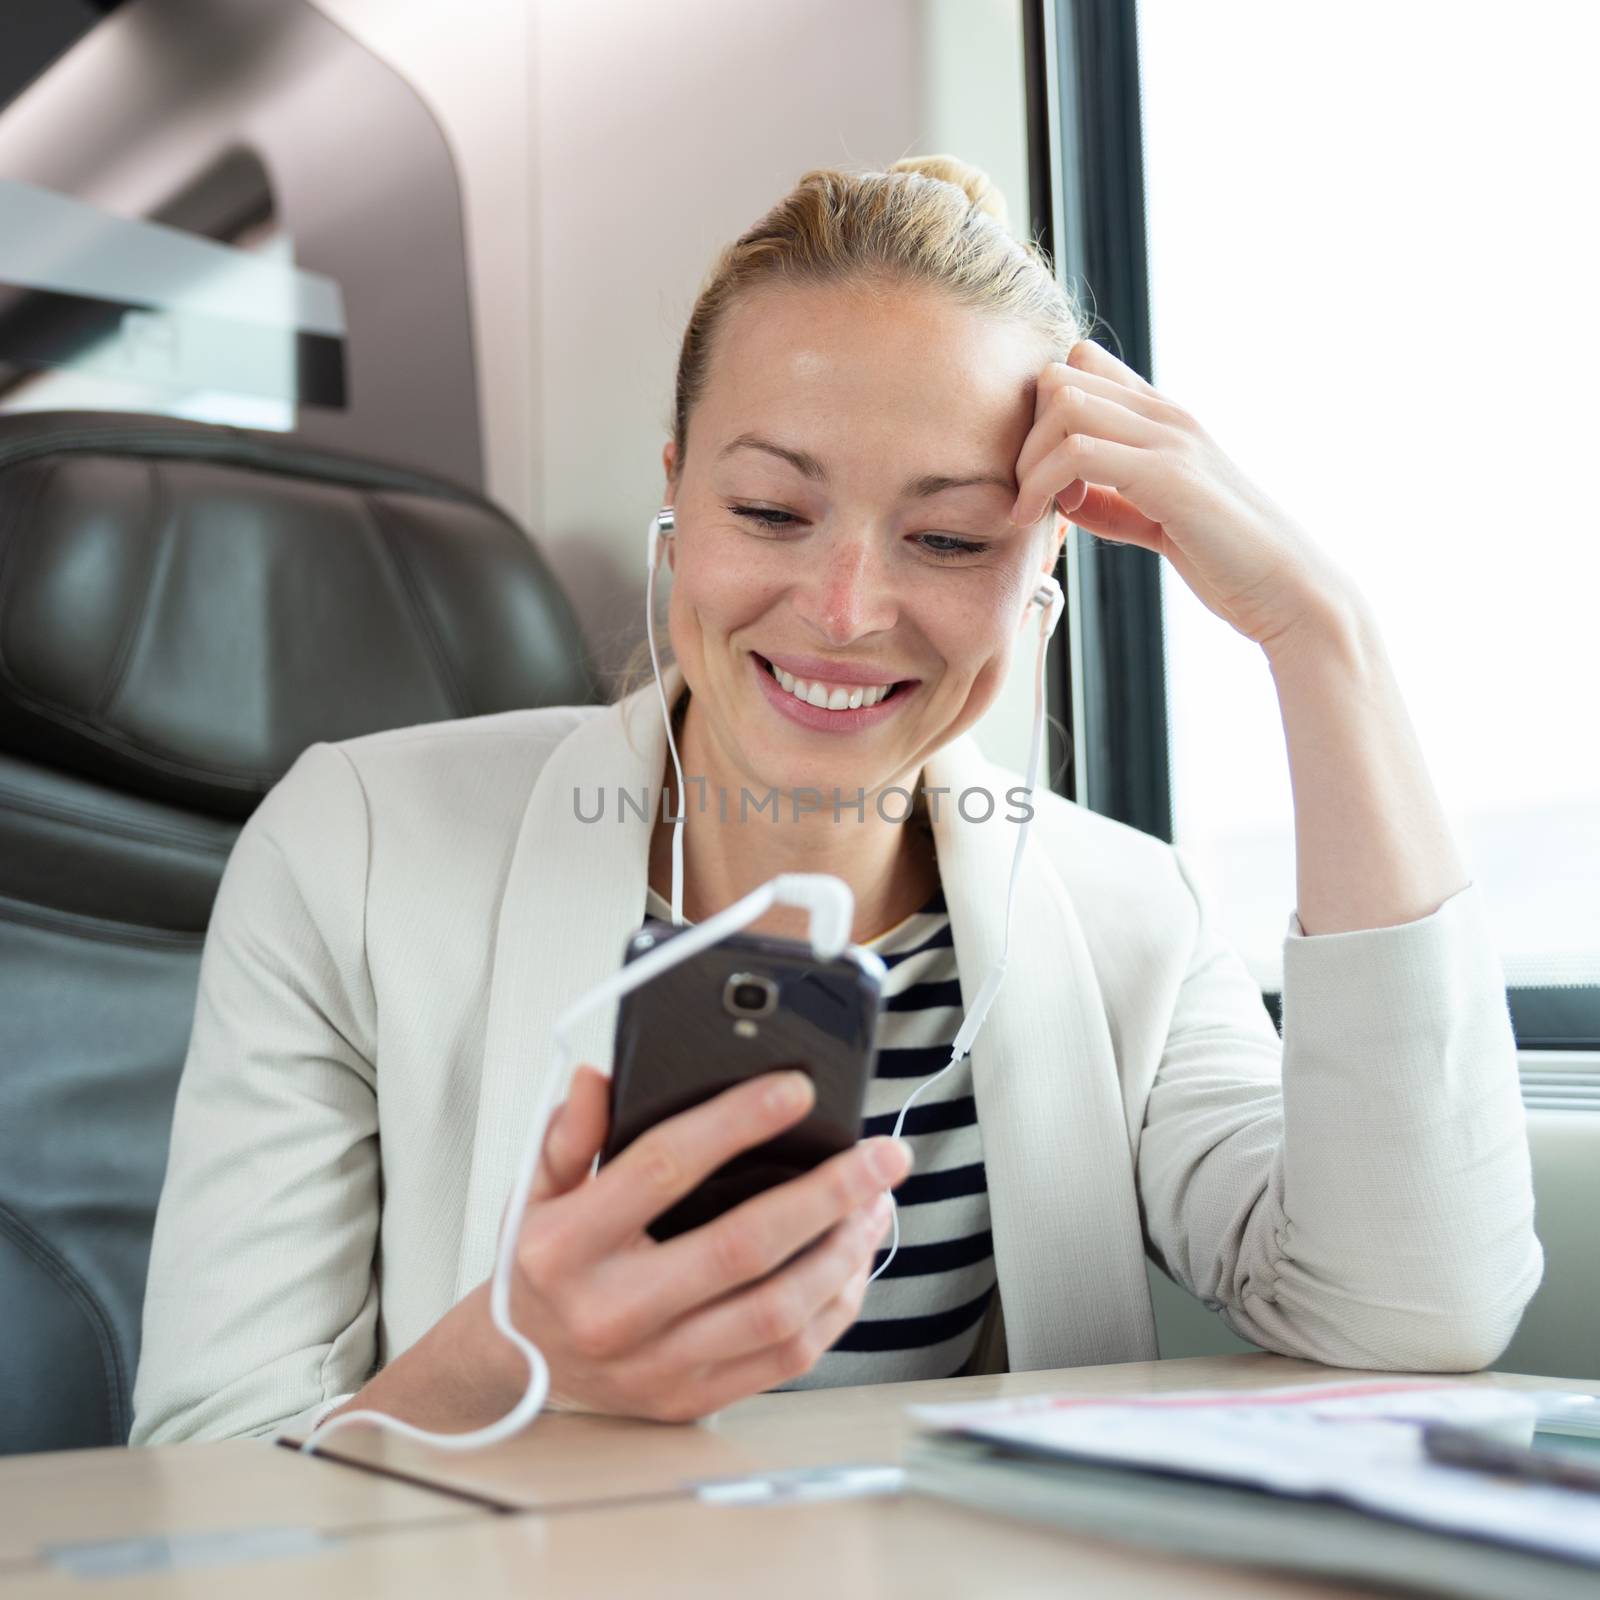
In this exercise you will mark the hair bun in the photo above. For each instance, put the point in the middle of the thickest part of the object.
(972, 181)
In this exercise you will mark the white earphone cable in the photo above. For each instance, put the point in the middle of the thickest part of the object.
(831, 906)
(1050, 612)
(1049, 598)
(653, 535)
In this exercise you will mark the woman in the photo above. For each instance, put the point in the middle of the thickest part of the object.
(885, 412)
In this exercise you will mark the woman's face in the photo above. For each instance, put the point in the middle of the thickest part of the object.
(814, 533)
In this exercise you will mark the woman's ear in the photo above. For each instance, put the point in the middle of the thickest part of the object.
(1062, 524)
(1052, 544)
(669, 461)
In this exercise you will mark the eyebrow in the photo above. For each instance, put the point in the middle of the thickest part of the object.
(916, 489)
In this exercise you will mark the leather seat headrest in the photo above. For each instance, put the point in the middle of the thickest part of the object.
(185, 607)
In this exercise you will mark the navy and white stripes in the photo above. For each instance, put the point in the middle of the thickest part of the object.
(921, 1318)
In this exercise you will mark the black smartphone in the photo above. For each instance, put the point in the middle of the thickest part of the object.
(750, 1004)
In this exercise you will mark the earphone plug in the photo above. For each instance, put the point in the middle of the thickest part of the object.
(662, 526)
(830, 903)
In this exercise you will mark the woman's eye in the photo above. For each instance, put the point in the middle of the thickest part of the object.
(944, 546)
(767, 519)
(948, 546)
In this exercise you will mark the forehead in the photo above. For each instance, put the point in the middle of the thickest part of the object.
(872, 363)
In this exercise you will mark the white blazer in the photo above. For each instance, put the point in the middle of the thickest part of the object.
(406, 912)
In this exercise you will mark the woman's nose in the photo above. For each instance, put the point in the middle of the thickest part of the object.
(847, 593)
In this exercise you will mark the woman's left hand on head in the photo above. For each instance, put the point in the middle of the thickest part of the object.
(1129, 466)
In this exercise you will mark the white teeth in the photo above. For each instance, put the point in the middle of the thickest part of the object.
(830, 697)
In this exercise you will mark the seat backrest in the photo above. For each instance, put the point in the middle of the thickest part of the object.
(183, 609)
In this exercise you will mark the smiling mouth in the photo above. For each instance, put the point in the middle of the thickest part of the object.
(838, 697)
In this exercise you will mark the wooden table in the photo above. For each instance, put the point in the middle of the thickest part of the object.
(568, 1462)
(597, 1506)
(57, 1507)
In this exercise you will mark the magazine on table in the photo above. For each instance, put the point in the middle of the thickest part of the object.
(1331, 1478)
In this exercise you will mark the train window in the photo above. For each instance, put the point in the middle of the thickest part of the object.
(1369, 280)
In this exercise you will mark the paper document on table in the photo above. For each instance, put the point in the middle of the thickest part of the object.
(1359, 1442)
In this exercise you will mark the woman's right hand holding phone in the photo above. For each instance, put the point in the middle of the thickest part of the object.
(677, 1329)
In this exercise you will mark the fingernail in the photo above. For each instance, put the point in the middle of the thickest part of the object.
(791, 1091)
(891, 1159)
(881, 1208)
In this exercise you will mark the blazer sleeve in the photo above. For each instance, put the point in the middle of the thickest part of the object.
(260, 1310)
(1359, 1193)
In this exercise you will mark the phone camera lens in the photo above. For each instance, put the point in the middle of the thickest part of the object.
(748, 994)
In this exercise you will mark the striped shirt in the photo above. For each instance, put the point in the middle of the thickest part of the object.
(921, 1318)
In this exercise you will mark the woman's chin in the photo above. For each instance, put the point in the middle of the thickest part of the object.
(791, 790)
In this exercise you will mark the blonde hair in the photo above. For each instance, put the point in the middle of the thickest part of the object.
(929, 221)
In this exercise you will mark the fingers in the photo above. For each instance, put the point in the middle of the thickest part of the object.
(669, 1161)
(1081, 410)
(753, 1239)
(1072, 497)
(1088, 375)
(636, 1294)
(1073, 403)
(1050, 381)
(1096, 358)
(1083, 435)
(1089, 378)
(575, 1134)
(1108, 516)
(1084, 457)
(777, 1364)
(782, 1306)
(1033, 495)
(1074, 386)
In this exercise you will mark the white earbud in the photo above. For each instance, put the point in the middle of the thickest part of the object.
(1049, 597)
(830, 903)
(662, 526)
